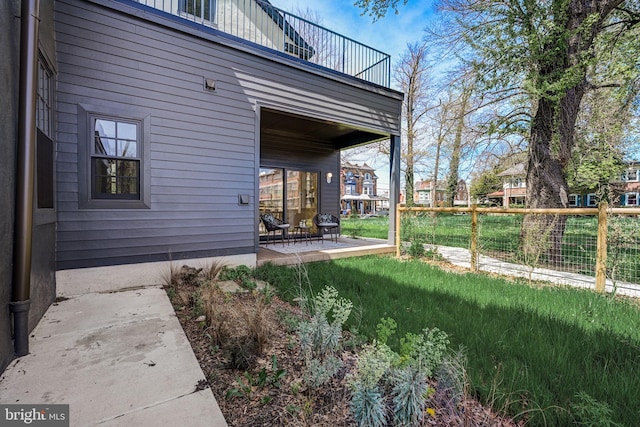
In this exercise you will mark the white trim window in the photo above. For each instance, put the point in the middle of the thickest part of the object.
(592, 200)
(574, 200)
(631, 199)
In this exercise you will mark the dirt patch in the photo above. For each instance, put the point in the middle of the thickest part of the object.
(260, 383)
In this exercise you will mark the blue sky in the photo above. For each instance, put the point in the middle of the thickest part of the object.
(390, 34)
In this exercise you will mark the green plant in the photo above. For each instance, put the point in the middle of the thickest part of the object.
(197, 303)
(320, 335)
(409, 391)
(590, 412)
(236, 274)
(416, 248)
(248, 284)
(368, 406)
(246, 384)
(548, 342)
(535, 240)
(424, 351)
(452, 380)
(356, 231)
(620, 236)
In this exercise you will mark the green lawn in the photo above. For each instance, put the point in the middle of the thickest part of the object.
(499, 237)
(529, 350)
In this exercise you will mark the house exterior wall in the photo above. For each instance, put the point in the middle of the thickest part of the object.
(204, 146)
(42, 280)
(43, 242)
(9, 69)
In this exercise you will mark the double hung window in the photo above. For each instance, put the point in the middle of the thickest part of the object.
(115, 159)
(114, 168)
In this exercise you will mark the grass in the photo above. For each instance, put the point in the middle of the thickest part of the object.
(531, 351)
(499, 237)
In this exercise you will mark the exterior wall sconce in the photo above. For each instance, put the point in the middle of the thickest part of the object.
(329, 176)
(210, 84)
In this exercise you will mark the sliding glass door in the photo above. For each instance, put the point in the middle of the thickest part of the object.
(289, 194)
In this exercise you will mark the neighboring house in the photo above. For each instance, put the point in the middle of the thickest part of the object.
(514, 187)
(626, 190)
(359, 189)
(159, 126)
(630, 185)
(424, 189)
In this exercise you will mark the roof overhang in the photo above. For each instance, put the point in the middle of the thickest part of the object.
(338, 135)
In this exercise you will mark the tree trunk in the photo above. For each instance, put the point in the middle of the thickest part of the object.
(454, 165)
(553, 127)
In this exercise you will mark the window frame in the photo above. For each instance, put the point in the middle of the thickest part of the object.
(634, 195)
(45, 145)
(575, 202)
(213, 12)
(592, 200)
(87, 114)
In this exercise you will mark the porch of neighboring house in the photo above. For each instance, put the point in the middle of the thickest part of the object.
(298, 251)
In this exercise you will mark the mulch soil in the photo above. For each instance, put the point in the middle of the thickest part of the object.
(261, 384)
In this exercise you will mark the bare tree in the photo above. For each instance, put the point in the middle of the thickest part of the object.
(412, 77)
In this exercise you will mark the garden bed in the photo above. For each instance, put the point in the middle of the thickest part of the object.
(265, 386)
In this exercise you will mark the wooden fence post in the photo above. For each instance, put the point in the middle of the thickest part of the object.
(474, 238)
(398, 212)
(601, 252)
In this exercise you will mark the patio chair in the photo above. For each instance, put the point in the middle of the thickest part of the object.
(327, 222)
(273, 225)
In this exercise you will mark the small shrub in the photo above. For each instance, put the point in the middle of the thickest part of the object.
(320, 335)
(402, 376)
(424, 351)
(368, 406)
(409, 391)
(416, 249)
(237, 274)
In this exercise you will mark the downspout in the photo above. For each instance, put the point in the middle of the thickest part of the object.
(23, 227)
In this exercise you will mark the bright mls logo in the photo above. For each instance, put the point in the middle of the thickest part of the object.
(34, 415)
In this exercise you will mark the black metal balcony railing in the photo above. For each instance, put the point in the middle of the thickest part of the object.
(262, 23)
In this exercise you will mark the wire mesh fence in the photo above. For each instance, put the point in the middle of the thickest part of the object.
(563, 240)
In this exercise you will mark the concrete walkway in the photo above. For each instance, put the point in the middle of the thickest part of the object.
(462, 257)
(117, 356)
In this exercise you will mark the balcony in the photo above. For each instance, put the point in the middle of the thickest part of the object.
(260, 22)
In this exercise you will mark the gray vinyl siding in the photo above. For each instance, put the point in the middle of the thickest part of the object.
(203, 145)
